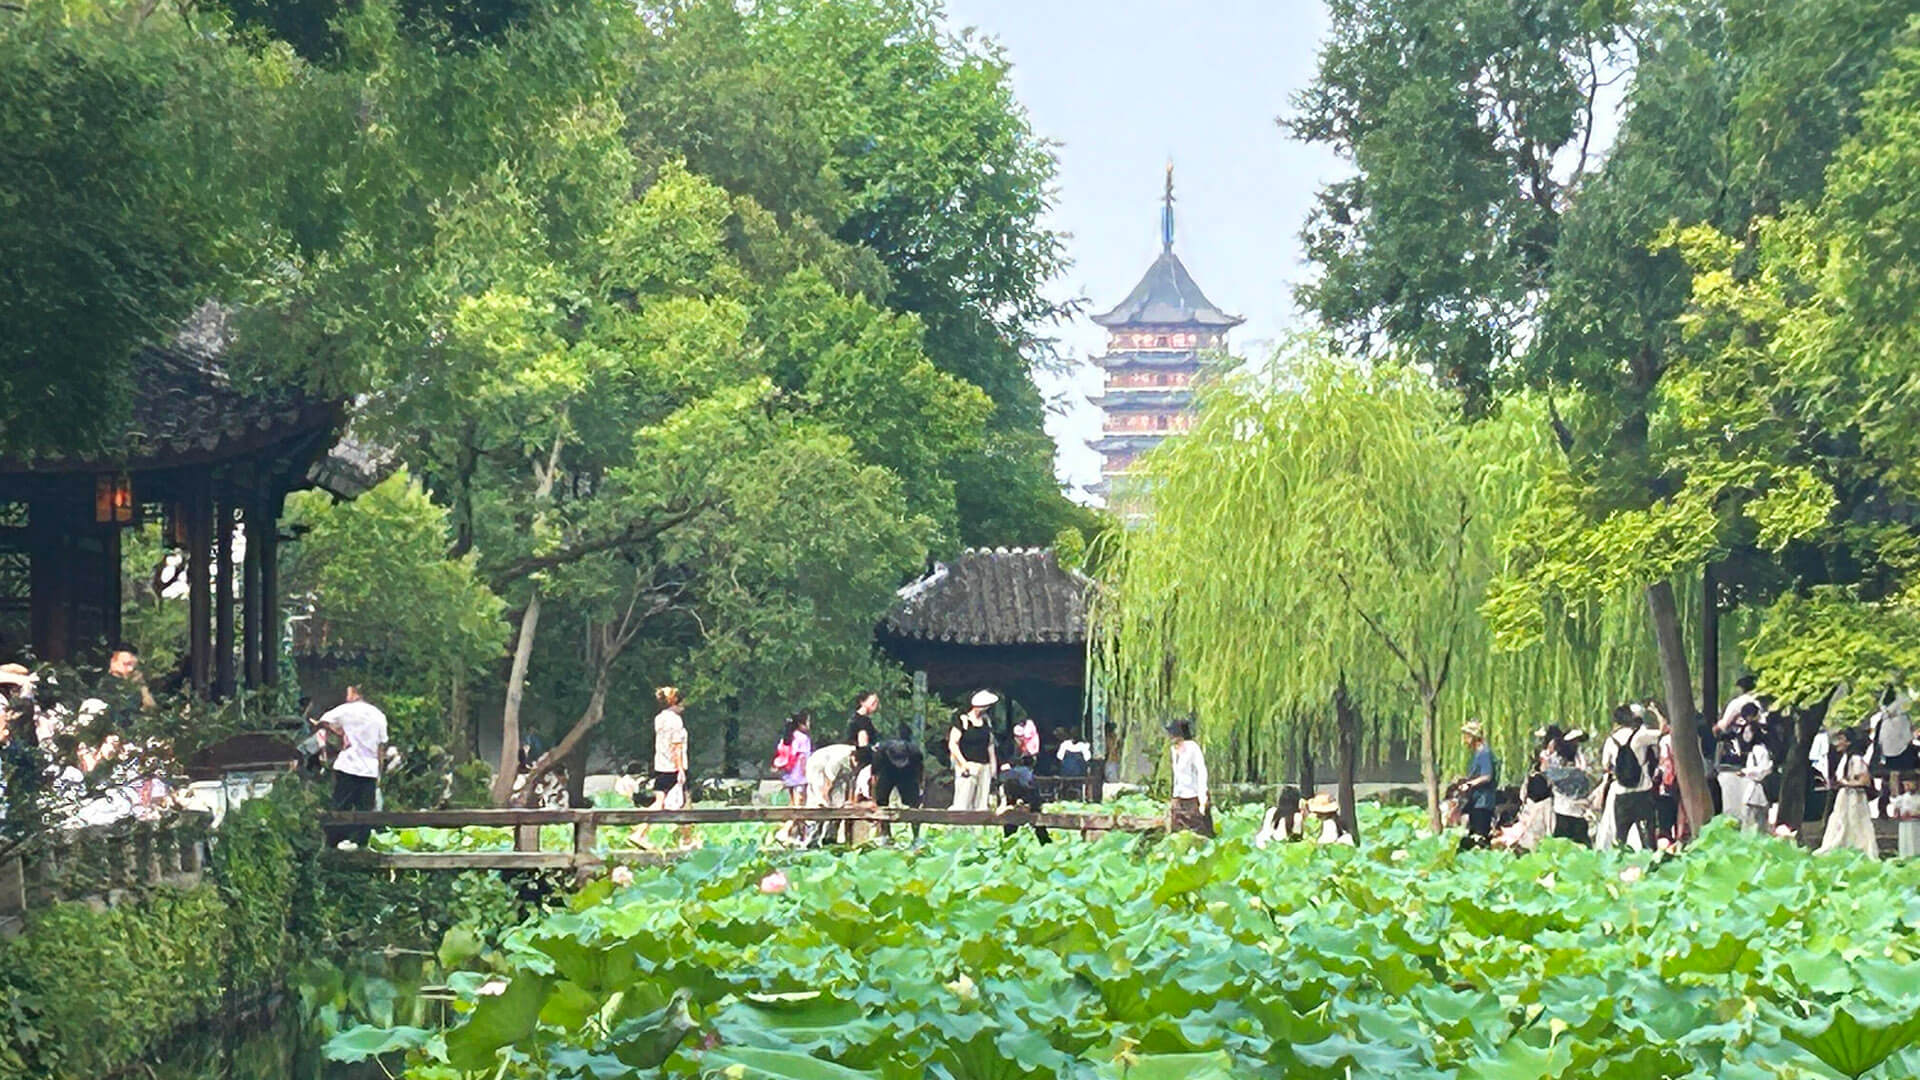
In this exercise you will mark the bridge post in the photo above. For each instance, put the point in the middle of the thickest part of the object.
(526, 838)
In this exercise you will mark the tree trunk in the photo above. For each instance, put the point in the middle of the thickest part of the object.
(510, 715)
(730, 743)
(1793, 770)
(1306, 764)
(459, 721)
(1709, 644)
(576, 765)
(1430, 755)
(1347, 724)
(1689, 768)
(576, 737)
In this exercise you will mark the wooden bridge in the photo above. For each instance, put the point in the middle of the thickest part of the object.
(584, 852)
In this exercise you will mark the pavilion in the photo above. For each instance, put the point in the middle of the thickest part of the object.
(1012, 620)
(200, 452)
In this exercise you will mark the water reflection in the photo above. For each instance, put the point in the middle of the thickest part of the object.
(272, 1050)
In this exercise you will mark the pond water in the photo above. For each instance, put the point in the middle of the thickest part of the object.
(275, 1049)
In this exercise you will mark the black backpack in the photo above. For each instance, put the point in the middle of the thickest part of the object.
(1627, 769)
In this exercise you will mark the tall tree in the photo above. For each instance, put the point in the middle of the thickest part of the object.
(1322, 539)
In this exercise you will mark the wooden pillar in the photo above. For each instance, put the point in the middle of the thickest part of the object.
(199, 510)
(110, 609)
(269, 540)
(223, 669)
(252, 637)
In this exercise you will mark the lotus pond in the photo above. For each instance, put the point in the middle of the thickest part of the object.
(978, 957)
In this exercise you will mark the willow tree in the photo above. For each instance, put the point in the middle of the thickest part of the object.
(1319, 547)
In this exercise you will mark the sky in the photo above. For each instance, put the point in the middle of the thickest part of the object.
(1122, 86)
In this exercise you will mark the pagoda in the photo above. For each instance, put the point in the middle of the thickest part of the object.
(1156, 338)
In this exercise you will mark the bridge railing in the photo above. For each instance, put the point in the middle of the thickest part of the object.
(584, 851)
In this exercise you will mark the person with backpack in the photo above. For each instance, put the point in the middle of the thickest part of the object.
(1850, 824)
(790, 761)
(1628, 759)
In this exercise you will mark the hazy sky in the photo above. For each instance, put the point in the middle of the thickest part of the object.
(1124, 85)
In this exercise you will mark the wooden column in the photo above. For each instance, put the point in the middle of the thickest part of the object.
(199, 510)
(223, 669)
(269, 536)
(252, 637)
(1709, 645)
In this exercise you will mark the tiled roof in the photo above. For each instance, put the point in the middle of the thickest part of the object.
(995, 596)
(186, 408)
(1167, 296)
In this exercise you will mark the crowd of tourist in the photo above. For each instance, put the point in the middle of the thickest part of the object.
(71, 758)
(1626, 790)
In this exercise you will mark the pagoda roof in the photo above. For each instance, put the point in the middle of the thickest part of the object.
(1179, 358)
(1143, 397)
(1130, 440)
(1167, 296)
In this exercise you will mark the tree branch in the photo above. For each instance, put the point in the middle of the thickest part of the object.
(636, 532)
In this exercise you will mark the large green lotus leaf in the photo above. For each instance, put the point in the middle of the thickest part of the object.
(458, 945)
(759, 1063)
(1284, 1024)
(1892, 981)
(1815, 974)
(1720, 955)
(364, 1041)
(571, 1061)
(569, 1006)
(1637, 1061)
(814, 1022)
(1585, 1004)
(1518, 1059)
(498, 1020)
(1853, 1039)
(645, 1042)
(1340, 1056)
(1474, 1014)
(1214, 1066)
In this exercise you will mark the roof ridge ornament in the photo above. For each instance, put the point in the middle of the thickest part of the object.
(1166, 212)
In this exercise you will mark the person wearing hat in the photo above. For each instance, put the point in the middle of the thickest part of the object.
(1326, 811)
(1190, 810)
(970, 752)
(1480, 788)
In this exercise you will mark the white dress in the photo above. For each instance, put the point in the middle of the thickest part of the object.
(1907, 809)
(1850, 825)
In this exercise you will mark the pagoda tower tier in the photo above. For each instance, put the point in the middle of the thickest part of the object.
(1157, 342)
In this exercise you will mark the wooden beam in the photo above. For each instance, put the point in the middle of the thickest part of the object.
(224, 682)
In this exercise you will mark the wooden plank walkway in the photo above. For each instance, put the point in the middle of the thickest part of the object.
(584, 850)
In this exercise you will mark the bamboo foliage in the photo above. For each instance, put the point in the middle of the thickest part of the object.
(1324, 519)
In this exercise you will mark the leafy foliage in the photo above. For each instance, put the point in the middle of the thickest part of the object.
(982, 957)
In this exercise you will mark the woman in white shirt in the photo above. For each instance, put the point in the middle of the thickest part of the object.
(1190, 811)
(1759, 766)
(669, 750)
(1850, 824)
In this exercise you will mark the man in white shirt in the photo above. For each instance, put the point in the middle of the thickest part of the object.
(1730, 716)
(362, 733)
(1629, 759)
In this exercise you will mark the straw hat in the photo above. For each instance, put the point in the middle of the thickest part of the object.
(1576, 735)
(1473, 730)
(17, 675)
(985, 699)
(1322, 804)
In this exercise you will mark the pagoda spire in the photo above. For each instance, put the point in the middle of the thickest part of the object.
(1166, 212)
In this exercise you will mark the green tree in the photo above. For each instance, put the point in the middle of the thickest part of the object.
(138, 156)
(1320, 543)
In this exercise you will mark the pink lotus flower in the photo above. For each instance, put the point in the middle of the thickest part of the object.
(622, 876)
(774, 882)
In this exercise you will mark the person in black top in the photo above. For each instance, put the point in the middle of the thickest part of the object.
(971, 752)
(898, 766)
(861, 732)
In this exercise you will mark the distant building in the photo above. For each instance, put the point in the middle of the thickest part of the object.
(1155, 341)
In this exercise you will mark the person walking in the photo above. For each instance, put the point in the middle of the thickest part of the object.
(669, 750)
(1571, 779)
(970, 751)
(361, 732)
(1850, 823)
(790, 759)
(1480, 788)
(1191, 809)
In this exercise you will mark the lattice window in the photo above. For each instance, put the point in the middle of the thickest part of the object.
(16, 578)
(13, 515)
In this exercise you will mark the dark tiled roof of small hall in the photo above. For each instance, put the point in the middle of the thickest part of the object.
(995, 596)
